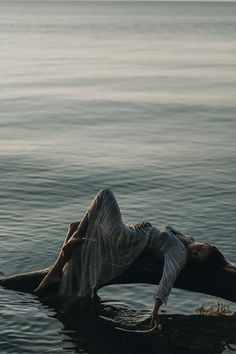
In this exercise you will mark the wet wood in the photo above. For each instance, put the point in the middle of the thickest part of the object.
(148, 269)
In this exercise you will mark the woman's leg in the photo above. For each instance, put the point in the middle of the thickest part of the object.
(76, 231)
(55, 274)
(72, 240)
(71, 230)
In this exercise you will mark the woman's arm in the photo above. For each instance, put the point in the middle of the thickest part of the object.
(156, 305)
(173, 263)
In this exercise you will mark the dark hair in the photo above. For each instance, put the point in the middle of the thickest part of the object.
(216, 259)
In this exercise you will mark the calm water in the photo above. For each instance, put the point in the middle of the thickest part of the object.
(138, 97)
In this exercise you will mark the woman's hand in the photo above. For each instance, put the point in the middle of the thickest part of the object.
(142, 225)
(155, 321)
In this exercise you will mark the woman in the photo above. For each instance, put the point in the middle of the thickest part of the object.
(108, 247)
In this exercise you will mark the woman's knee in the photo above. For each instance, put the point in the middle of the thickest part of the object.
(105, 192)
(98, 201)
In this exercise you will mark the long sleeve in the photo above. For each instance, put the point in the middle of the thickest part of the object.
(173, 263)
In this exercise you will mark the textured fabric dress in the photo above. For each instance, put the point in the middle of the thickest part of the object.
(110, 247)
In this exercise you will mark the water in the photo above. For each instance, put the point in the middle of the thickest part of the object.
(135, 96)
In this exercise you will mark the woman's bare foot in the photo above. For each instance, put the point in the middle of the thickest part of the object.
(54, 275)
(52, 278)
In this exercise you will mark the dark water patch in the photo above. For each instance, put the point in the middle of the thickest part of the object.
(96, 327)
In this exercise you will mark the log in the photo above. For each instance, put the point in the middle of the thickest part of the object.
(148, 269)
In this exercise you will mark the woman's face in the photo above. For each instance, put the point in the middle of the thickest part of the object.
(199, 251)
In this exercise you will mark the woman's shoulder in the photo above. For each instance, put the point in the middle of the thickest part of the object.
(179, 233)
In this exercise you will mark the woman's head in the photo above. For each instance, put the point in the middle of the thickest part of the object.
(206, 254)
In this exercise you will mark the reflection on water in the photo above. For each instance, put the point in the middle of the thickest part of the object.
(55, 325)
(104, 326)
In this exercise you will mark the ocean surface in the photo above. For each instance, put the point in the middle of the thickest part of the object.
(138, 97)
